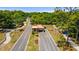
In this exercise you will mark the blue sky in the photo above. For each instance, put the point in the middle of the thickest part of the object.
(29, 9)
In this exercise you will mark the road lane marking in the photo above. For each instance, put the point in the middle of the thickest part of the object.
(44, 41)
(19, 38)
(39, 41)
(28, 40)
(47, 42)
(17, 41)
(53, 40)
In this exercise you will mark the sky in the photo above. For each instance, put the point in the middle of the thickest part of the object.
(29, 9)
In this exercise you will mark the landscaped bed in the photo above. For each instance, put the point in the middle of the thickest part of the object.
(33, 42)
(59, 39)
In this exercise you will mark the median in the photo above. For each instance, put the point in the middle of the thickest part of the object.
(33, 42)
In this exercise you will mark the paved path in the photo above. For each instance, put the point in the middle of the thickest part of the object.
(23, 40)
(46, 42)
(7, 39)
(72, 43)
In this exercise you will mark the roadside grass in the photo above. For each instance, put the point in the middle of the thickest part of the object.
(33, 42)
(14, 35)
(59, 39)
(56, 35)
(1, 36)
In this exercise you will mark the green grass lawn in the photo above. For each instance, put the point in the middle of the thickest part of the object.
(1, 36)
(58, 37)
(33, 42)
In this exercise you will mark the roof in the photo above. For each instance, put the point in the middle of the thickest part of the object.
(34, 26)
(40, 26)
(37, 26)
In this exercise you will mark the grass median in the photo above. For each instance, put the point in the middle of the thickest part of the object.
(59, 39)
(33, 42)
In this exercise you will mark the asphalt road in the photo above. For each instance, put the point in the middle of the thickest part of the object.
(23, 40)
(46, 42)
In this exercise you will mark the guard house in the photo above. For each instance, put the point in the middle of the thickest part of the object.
(38, 28)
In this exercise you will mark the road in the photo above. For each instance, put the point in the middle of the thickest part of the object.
(23, 40)
(46, 42)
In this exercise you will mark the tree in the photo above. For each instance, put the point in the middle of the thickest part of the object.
(11, 19)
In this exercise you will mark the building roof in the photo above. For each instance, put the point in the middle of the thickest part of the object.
(34, 26)
(37, 26)
(40, 26)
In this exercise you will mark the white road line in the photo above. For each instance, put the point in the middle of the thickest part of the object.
(39, 41)
(44, 41)
(28, 40)
(53, 40)
(19, 38)
(17, 41)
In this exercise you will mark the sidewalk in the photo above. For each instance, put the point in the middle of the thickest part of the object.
(7, 39)
(8, 36)
(72, 43)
